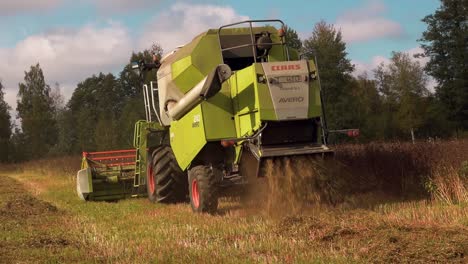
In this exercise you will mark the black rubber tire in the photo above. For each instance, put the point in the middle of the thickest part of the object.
(207, 185)
(168, 183)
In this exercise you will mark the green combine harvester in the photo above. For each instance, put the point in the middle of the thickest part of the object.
(223, 103)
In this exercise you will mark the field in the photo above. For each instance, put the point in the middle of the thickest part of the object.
(379, 203)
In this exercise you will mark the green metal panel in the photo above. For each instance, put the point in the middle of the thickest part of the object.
(187, 49)
(245, 94)
(248, 123)
(232, 82)
(207, 54)
(189, 70)
(142, 144)
(196, 59)
(237, 110)
(276, 53)
(245, 100)
(187, 137)
(212, 37)
(183, 68)
(104, 182)
(315, 106)
(293, 54)
(219, 108)
(267, 110)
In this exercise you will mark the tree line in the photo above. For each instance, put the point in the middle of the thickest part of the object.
(391, 102)
(99, 115)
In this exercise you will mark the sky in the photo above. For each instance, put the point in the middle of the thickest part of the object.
(74, 39)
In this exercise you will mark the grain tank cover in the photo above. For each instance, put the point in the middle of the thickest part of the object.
(187, 66)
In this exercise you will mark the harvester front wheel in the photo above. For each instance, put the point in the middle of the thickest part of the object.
(203, 189)
(166, 182)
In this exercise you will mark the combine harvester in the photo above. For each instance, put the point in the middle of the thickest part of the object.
(223, 103)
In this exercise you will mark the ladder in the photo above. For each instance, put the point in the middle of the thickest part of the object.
(136, 143)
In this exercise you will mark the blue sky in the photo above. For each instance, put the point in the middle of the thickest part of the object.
(75, 39)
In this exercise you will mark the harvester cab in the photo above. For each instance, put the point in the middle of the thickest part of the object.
(223, 103)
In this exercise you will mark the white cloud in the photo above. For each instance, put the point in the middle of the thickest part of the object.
(69, 56)
(415, 51)
(65, 56)
(13, 7)
(182, 22)
(107, 6)
(9, 97)
(431, 82)
(368, 67)
(366, 23)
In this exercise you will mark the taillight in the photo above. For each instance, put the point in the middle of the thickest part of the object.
(227, 143)
(353, 133)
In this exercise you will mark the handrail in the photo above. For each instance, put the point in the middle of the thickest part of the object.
(246, 45)
(252, 37)
(153, 104)
(252, 21)
(146, 102)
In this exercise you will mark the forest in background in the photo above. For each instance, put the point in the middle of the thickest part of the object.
(389, 103)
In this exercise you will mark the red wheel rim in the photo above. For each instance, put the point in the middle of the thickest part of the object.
(150, 179)
(195, 195)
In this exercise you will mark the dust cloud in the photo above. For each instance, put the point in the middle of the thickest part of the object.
(291, 185)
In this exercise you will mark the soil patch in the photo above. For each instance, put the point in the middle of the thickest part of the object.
(33, 230)
(380, 243)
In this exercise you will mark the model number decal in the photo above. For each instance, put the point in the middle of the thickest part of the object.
(196, 121)
(297, 99)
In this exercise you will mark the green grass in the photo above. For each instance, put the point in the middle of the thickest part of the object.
(34, 231)
(364, 227)
(139, 232)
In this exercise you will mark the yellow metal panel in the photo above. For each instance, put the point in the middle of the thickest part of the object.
(246, 95)
(247, 124)
(185, 75)
(267, 110)
(187, 137)
(315, 108)
(180, 66)
(218, 114)
(207, 55)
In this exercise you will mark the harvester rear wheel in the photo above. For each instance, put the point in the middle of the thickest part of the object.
(166, 182)
(203, 189)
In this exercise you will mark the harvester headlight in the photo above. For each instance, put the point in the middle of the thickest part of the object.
(261, 79)
(313, 75)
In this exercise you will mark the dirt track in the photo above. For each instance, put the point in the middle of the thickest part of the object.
(36, 231)
(31, 230)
